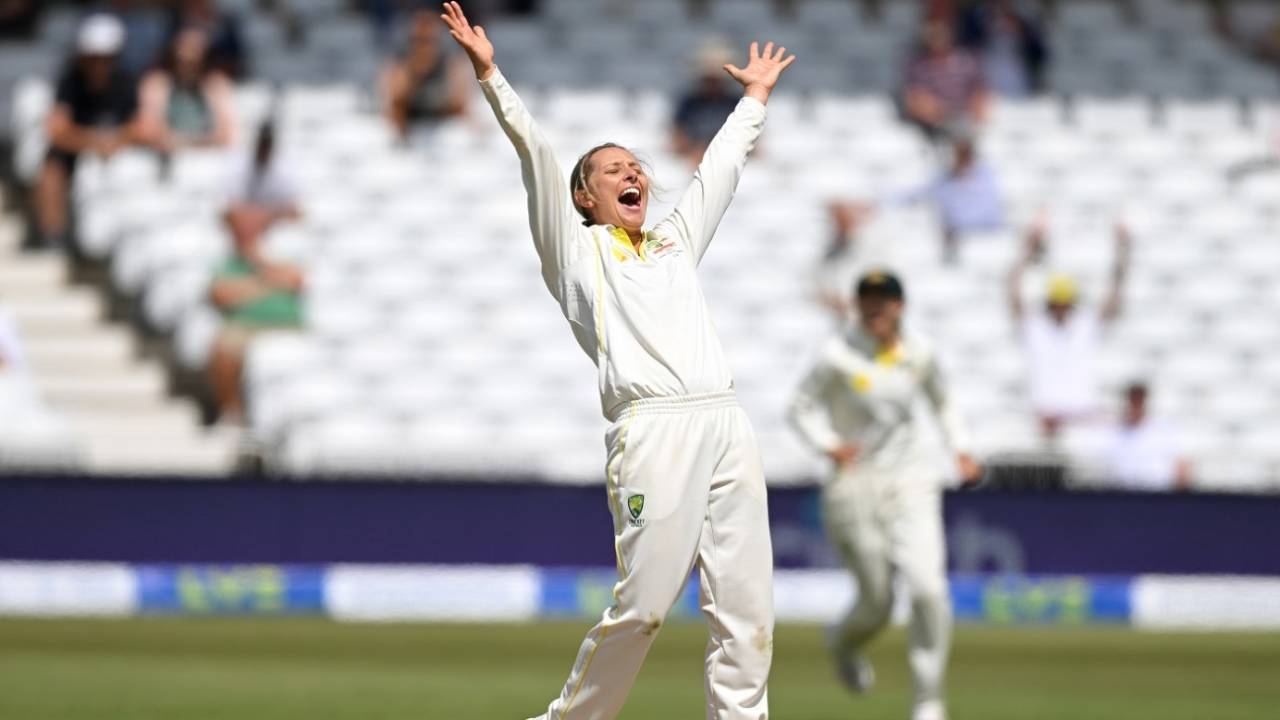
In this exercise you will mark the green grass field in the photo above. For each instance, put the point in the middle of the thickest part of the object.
(236, 669)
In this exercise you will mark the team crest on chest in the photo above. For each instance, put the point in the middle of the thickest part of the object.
(656, 247)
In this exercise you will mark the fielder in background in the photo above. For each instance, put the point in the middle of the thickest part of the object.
(685, 483)
(883, 503)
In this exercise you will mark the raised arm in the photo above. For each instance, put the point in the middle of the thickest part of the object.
(551, 216)
(703, 204)
(1033, 248)
(1114, 304)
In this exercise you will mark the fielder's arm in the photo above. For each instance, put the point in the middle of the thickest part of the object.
(552, 219)
(810, 415)
(951, 421)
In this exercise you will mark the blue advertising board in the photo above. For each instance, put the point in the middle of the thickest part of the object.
(230, 589)
(240, 522)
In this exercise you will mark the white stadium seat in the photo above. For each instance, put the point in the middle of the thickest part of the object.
(430, 332)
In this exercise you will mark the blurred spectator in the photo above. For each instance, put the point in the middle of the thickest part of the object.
(95, 110)
(186, 101)
(145, 32)
(1010, 43)
(840, 263)
(226, 45)
(1142, 453)
(1062, 341)
(19, 19)
(430, 83)
(966, 195)
(702, 110)
(944, 84)
(253, 292)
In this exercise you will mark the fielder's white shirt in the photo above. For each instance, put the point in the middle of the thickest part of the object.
(640, 316)
(858, 394)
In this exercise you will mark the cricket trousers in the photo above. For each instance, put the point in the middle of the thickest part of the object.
(884, 521)
(686, 488)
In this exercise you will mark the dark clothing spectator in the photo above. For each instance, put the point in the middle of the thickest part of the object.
(1010, 43)
(226, 42)
(944, 84)
(95, 110)
(95, 104)
(19, 19)
(700, 114)
(703, 108)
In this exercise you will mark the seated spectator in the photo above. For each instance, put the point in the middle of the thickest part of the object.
(1009, 42)
(966, 195)
(226, 46)
(186, 101)
(1061, 340)
(430, 83)
(944, 84)
(1142, 453)
(840, 264)
(702, 110)
(252, 291)
(95, 111)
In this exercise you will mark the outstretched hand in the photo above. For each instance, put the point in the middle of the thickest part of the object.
(472, 39)
(762, 70)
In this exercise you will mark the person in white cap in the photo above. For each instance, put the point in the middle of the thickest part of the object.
(882, 504)
(95, 110)
(684, 477)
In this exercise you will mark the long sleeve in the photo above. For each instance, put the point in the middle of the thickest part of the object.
(707, 198)
(809, 413)
(557, 232)
(949, 418)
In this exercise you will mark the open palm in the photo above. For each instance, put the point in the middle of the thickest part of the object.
(472, 39)
(763, 69)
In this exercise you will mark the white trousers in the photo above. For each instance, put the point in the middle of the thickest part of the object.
(884, 522)
(686, 488)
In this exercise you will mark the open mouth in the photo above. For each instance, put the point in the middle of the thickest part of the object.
(630, 197)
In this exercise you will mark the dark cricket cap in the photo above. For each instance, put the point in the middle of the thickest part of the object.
(880, 283)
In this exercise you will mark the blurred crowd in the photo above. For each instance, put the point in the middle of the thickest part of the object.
(162, 75)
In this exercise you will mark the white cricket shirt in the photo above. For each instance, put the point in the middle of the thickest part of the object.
(857, 393)
(639, 315)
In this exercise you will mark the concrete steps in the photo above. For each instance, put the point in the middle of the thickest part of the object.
(113, 411)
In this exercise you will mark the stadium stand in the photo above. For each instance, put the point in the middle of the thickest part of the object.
(430, 345)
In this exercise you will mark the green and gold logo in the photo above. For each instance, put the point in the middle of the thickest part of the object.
(635, 504)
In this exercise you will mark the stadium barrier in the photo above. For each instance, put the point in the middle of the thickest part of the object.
(408, 593)
(169, 521)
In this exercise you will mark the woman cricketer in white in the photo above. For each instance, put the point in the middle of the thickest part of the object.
(684, 477)
(882, 507)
